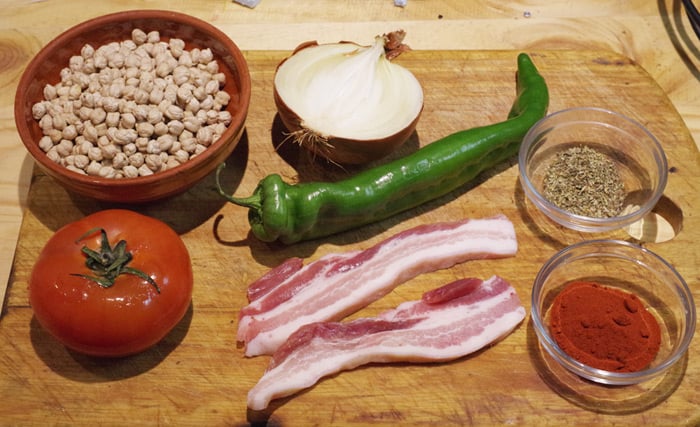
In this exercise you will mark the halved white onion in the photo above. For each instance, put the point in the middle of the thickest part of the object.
(346, 102)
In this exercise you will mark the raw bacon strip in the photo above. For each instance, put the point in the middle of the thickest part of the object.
(270, 280)
(337, 285)
(469, 315)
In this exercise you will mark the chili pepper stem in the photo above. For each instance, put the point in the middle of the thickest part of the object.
(253, 201)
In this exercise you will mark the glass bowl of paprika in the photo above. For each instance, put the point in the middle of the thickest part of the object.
(612, 312)
(591, 169)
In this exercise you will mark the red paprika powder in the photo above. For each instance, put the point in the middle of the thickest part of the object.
(604, 328)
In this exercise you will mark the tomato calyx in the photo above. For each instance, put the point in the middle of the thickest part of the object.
(109, 262)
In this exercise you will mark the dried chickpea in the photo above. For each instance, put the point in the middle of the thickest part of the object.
(137, 159)
(100, 60)
(160, 129)
(45, 144)
(95, 153)
(88, 68)
(199, 92)
(220, 77)
(93, 168)
(104, 141)
(165, 67)
(189, 145)
(218, 129)
(195, 53)
(140, 113)
(145, 170)
(110, 104)
(191, 124)
(181, 156)
(206, 56)
(154, 116)
(75, 169)
(185, 59)
(212, 68)
(205, 136)
(225, 117)
(55, 135)
(125, 136)
(59, 122)
(145, 129)
(185, 135)
(130, 149)
(130, 171)
(101, 129)
(177, 145)
(139, 36)
(120, 160)
(222, 98)
(81, 161)
(69, 132)
(175, 127)
(177, 47)
(53, 155)
(141, 144)
(165, 142)
(153, 37)
(128, 121)
(39, 110)
(111, 152)
(87, 51)
(82, 146)
(98, 116)
(193, 105)
(50, 92)
(106, 172)
(153, 147)
(112, 119)
(207, 103)
(181, 75)
(173, 112)
(172, 163)
(46, 123)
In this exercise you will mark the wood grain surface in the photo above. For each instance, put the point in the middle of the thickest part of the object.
(198, 375)
(656, 35)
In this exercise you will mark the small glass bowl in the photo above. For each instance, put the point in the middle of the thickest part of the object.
(639, 158)
(630, 268)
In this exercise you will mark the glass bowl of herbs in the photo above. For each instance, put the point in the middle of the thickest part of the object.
(612, 312)
(591, 169)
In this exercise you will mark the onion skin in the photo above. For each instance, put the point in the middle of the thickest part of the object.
(339, 150)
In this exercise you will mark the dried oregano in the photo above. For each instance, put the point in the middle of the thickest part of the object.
(586, 182)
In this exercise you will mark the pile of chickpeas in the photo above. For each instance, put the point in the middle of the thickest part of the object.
(133, 108)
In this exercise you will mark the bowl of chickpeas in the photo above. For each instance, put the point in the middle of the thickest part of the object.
(134, 106)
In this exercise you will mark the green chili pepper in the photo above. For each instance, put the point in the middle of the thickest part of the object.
(291, 213)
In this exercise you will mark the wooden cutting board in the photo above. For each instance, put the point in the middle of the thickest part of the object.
(198, 375)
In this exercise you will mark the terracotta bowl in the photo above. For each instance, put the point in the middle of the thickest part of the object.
(45, 68)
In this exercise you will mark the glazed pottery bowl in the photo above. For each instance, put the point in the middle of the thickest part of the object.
(45, 68)
(635, 153)
(632, 269)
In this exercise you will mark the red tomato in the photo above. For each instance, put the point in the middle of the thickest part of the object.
(131, 315)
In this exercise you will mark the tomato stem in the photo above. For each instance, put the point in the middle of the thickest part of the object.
(109, 262)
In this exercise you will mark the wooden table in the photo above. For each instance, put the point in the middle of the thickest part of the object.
(655, 37)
